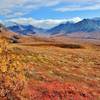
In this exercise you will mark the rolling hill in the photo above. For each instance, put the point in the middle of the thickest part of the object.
(6, 32)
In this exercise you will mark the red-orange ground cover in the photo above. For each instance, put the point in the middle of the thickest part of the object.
(59, 91)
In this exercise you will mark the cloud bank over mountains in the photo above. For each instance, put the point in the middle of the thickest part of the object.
(42, 23)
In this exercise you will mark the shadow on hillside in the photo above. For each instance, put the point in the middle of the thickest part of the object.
(71, 46)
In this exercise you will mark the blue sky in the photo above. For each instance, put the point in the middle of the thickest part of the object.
(44, 10)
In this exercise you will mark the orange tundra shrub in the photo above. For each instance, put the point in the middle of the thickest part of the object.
(12, 77)
(59, 91)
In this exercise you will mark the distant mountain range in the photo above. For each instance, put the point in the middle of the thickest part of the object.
(86, 25)
(89, 28)
(25, 29)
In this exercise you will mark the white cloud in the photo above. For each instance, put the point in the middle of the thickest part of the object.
(43, 23)
(13, 8)
(94, 6)
(18, 8)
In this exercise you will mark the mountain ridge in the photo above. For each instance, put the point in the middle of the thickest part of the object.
(86, 25)
(89, 28)
(25, 29)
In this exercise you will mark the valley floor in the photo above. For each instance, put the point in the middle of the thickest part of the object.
(58, 69)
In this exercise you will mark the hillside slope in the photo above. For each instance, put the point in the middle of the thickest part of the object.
(5, 32)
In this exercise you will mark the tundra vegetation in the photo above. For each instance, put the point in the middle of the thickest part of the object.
(48, 72)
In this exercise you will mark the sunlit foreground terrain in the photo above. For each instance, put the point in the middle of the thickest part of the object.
(40, 69)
